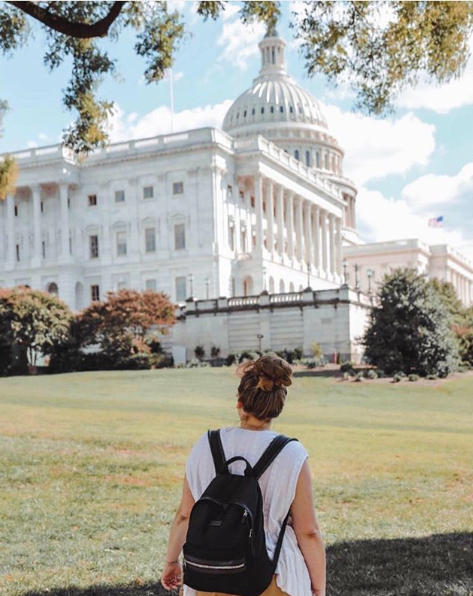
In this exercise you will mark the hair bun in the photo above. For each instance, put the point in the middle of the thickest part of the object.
(265, 384)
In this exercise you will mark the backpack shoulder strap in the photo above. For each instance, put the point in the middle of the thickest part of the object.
(218, 454)
(270, 454)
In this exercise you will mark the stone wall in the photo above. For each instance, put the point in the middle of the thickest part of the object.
(335, 319)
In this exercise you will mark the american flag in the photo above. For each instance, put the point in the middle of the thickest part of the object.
(436, 222)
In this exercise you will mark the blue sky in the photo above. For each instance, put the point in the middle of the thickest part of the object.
(416, 164)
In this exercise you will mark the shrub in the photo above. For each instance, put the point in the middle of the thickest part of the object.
(346, 376)
(232, 359)
(432, 377)
(309, 362)
(409, 328)
(196, 363)
(371, 374)
(247, 355)
(381, 374)
(140, 361)
(346, 366)
(214, 351)
(155, 346)
(199, 352)
(413, 378)
(298, 353)
(397, 378)
(358, 377)
(162, 360)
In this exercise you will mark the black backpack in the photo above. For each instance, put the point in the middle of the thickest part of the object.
(225, 549)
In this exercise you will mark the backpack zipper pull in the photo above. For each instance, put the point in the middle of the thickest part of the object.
(245, 515)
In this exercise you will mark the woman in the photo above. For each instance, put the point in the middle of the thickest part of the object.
(285, 485)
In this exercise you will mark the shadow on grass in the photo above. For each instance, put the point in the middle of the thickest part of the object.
(437, 565)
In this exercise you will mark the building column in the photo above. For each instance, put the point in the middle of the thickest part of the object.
(259, 211)
(323, 225)
(270, 217)
(339, 257)
(249, 222)
(290, 225)
(280, 218)
(316, 236)
(134, 223)
(331, 221)
(106, 250)
(64, 208)
(308, 233)
(37, 244)
(299, 230)
(10, 230)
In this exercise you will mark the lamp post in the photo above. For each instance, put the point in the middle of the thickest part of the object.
(345, 277)
(207, 287)
(264, 279)
(357, 284)
(191, 284)
(370, 274)
(308, 274)
(260, 337)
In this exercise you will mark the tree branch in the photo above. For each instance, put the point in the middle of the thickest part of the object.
(63, 25)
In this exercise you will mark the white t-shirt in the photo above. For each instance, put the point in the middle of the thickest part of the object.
(278, 486)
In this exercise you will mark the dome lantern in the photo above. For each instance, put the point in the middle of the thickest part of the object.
(272, 54)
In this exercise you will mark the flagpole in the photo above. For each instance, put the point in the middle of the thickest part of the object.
(171, 98)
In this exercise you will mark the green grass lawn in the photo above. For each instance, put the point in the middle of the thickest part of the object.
(91, 468)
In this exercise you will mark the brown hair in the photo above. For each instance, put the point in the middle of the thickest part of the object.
(262, 389)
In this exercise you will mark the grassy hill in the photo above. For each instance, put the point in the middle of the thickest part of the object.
(91, 468)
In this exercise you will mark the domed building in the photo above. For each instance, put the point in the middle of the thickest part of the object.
(243, 227)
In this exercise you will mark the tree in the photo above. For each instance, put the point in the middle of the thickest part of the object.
(378, 47)
(409, 329)
(33, 319)
(126, 321)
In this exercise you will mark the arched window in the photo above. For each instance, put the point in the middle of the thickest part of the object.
(296, 154)
(262, 110)
(271, 285)
(281, 109)
(272, 109)
(307, 159)
(291, 287)
(282, 287)
(53, 289)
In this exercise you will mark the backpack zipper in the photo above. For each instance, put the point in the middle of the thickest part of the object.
(240, 566)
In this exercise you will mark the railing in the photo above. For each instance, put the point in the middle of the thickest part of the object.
(243, 301)
(292, 297)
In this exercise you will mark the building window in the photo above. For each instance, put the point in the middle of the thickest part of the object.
(271, 109)
(43, 249)
(291, 109)
(17, 253)
(148, 192)
(181, 289)
(119, 196)
(252, 201)
(231, 236)
(121, 285)
(296, 154)
(178, 188)
(179, 236)
(70, 245)
(262, 110)
(326, 161)
(95, 292)
(230, 190)
(94, 246)
(150, 285)
(150, 239)
(16, 210)
(242, 195)
(281, 109)
(253, 112)
(244, 114)
(42, 207)
(92, 200)
(307, 159)
(317, 159)
(243, 240)
(121, 244)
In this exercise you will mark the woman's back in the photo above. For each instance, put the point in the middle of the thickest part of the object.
(278, 487)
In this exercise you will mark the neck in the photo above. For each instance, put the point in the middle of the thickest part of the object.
(252, 423)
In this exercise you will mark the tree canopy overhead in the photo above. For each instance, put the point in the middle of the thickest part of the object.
(378, 47)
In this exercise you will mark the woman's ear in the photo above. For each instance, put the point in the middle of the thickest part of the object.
(239, 405)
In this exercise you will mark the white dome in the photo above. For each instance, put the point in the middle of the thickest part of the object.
(275, 100)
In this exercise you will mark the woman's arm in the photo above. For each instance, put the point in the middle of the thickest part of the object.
(308, 532)
(172, 573)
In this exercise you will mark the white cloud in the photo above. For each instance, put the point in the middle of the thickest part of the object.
(240, 42)
(376, 148)
(31, 144)
(43, 136)
(230, 11)
(381, 219)
(435, 189)
(124, 127)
